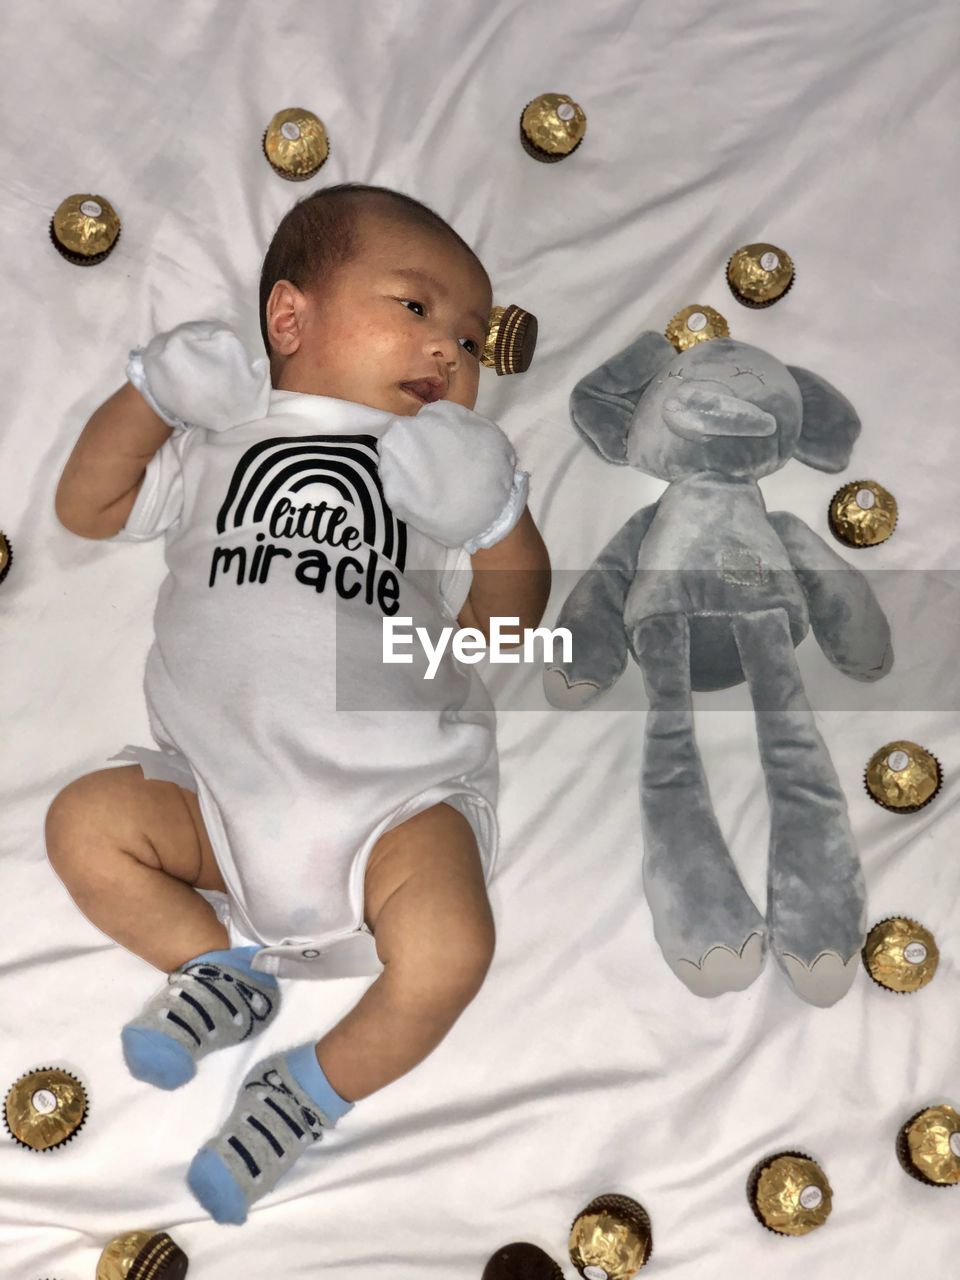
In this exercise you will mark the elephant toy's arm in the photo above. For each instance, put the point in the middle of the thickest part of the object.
(847, 620)
(593, 614)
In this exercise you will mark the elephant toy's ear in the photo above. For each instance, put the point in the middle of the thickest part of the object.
(602, 403)
(830, 423)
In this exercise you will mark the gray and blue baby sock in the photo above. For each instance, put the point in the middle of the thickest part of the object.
(283, 1106)
(216, 999)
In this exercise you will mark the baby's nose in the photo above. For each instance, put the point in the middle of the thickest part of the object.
(446, 348)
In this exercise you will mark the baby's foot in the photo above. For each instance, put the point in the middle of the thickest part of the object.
(211, 1002)
(284, 1104)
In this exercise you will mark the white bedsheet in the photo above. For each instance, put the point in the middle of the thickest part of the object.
(825, 126)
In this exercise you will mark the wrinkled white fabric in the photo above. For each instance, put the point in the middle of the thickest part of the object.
(583, 1066)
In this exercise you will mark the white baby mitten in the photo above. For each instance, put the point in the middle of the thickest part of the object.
(201, 375)
(452, 474)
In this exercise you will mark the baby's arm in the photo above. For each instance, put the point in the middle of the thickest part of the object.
(196, 374)
(511, 579)
(453, 475)
(104, 472)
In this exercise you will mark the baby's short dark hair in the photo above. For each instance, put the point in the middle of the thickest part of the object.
(319, 234)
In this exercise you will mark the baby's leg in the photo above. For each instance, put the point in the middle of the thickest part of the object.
(131, 852)
(426, 903)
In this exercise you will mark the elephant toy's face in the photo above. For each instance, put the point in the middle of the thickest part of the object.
(720, 406)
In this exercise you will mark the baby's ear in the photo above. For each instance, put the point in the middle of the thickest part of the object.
(602, 404)
(283, 318)
(830, 423)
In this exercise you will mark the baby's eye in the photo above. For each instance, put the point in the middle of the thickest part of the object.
(470, 345)
(409, 302)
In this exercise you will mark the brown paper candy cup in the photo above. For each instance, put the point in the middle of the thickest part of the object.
(632, 1220)
(142, 1255)
(45, 1109)
(813, 1211)
(296, 164)
(760, 275)
(900, 955)
(946, 1162)
(552, 127)
(85, 229)
(902, 776)
(862, 514)
(6, 555)
(511, 340)
(521, 1261)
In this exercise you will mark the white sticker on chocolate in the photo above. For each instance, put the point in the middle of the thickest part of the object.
(955, 1144)
(811, 1197)
(915, 953)
(769, 261)
(696, 321)
(566, 111)
(44, 1101)
(595, 1273)
(897, 760)
(91, 209)
(866, 499)
(290, 130)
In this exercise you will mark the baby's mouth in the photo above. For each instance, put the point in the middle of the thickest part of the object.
(426, 390)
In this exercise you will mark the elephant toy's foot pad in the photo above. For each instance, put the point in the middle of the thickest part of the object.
(721, 969)
(823, 982)
(568, 695)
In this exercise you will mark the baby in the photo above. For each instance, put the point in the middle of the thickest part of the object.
(311, 811)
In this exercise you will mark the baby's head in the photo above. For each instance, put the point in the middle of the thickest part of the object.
(368, 295)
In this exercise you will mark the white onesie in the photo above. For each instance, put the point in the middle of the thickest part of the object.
(266, 687)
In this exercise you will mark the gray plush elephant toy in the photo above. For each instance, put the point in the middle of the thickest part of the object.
(707, 588)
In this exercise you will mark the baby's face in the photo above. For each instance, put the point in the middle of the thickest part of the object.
(401, 324)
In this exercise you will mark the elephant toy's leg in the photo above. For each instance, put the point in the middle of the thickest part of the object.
(816, 902)
(710, 932)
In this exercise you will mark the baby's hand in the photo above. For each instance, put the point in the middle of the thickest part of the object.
(200, 375)
(453, 475)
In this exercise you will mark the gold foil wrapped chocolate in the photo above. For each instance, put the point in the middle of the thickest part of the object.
(611, 1239)
(928, 1146)
(85, 229)
(296, 144)
(862, 514)
(552, 127)
(45, 1109)
(902, 777)
(789, 1194)
(142, 1255)
(696, 323)
(521, 1261)
(6, 555)
(760, 274)
(511, 340)
(900, 954)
